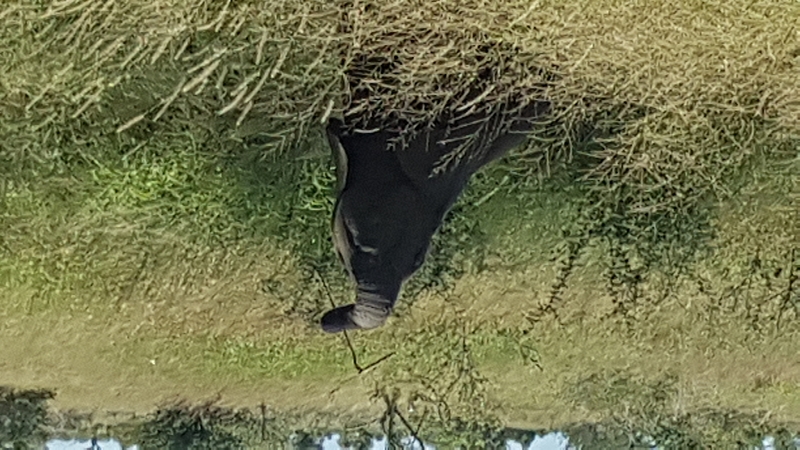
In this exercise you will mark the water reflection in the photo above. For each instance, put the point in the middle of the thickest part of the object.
(87, 444)
(551, 441)
(27, 421)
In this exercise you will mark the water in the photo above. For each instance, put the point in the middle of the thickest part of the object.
(550, 441)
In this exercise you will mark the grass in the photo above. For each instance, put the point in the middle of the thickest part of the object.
(183, 267)
(147, 224)
(644, 247)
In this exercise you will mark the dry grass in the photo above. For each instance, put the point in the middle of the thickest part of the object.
(669, 99)
(675, 60)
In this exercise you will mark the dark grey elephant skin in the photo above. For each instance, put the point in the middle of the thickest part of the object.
(390, 204)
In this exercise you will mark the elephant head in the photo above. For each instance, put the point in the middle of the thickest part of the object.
(390, 204)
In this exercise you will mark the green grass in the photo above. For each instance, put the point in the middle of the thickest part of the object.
(317, 358)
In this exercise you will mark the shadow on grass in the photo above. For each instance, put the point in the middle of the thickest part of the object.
(646, 226)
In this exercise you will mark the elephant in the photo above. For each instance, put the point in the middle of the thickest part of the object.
(390, 203)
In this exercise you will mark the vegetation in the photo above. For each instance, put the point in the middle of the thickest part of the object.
(179, 424)
(165, 197)
(24, 415)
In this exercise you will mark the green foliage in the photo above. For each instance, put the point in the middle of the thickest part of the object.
(183, 426)
(647, 411)
(23, 417)
(357, 439)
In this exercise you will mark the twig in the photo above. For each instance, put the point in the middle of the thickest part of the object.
(347, 337)
(263, 409)
(391, 411)
(411, 430)
(789, 289)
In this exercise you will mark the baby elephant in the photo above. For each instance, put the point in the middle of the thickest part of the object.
(390, 203)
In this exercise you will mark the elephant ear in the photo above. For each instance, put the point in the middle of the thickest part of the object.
(333, 132)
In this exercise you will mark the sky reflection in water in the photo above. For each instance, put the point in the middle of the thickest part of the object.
(552, 441)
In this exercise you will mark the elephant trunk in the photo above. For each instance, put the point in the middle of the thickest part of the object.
(370, 310)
